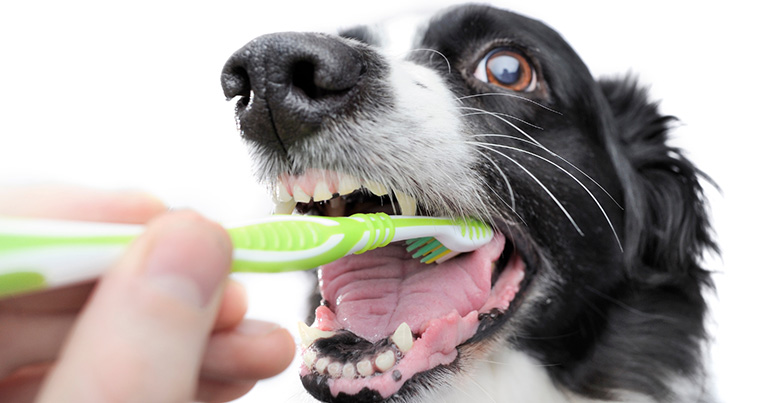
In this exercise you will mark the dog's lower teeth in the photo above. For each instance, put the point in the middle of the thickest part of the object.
(385, 361)
(309, 357)
(308, 334)
(365, 368)
(348, 371)
(334, 369)
(403, 338)
(322, 364)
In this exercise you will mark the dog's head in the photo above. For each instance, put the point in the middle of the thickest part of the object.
(599, 224)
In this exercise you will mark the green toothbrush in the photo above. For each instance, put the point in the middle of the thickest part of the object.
(38, 254)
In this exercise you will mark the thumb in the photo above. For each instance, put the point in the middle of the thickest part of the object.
(143, 334)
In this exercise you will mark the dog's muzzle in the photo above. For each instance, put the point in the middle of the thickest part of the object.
(290, 84)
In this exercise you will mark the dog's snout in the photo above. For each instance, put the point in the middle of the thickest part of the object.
(290, 83)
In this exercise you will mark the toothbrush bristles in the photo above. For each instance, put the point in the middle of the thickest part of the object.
(429, 249)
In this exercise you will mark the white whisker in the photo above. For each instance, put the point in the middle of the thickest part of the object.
(589, 192)
(512, 125)
(504, 94)
(506, 364)
(559, 157)
(511, 204)
(482, 389)
(447, 62)
(494, 114)
(544, 187)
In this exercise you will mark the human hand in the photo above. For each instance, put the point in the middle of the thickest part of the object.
(165, 324)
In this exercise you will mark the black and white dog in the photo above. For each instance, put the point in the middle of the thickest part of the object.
(592, 287)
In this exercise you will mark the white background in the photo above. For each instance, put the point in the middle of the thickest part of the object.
(126, 94)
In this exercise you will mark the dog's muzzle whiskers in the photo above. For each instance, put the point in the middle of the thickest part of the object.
(538, 183)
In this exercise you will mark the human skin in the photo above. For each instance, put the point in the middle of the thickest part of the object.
(164, 324)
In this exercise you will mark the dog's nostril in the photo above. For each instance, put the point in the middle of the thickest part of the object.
(303, 79)
(321, 80)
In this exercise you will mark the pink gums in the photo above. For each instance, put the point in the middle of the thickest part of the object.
(372, 294)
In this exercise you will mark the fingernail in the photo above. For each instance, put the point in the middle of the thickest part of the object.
(189, 257)
(253, 327)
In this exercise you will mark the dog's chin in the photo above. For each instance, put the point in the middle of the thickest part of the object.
(388, 325)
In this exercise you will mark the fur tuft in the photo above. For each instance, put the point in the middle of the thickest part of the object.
(668, 228)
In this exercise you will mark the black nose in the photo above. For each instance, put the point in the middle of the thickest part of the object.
(290, 85)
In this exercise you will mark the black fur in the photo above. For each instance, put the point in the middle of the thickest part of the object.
(613, 297)
(636, 319)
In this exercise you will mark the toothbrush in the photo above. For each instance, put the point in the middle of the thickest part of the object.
(38, 254)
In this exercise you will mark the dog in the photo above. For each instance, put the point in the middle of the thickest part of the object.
(592, 287)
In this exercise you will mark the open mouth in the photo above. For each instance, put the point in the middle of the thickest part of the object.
(385, 318)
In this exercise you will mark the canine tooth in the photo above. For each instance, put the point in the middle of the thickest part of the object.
(365, 368)
(348, 370)
(376, 188)
(309, 358)
(299, 195)
(385, 361)
(322, 192)
(285, 207)
(403, 337)
(322, 364)
(407, 203)
(281, 193)
(348, 184)
(334, 369)
(309, 334)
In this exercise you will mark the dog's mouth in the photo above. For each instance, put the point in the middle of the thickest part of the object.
(386, 319)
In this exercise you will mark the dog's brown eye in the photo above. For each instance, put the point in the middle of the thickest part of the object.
(506, 68)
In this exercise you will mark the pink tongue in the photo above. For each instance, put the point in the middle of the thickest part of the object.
(373, 293)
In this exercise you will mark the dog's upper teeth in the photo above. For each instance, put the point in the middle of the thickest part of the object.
(322, 192)
(299, 195)
(376, 188)
(287, 192)
(309, 334)
(403, 337)
(348, 184)
(281, 193)
(407, 203)
(285, 207)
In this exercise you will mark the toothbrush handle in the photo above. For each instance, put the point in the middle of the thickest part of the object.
(292, 242)
(37, 254)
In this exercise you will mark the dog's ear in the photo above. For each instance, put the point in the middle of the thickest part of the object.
(667, 224)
